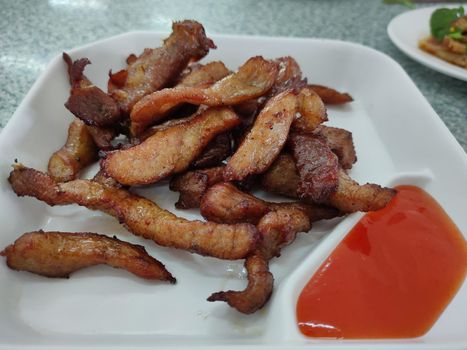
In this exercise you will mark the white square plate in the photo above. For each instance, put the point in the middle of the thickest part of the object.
(398, 138)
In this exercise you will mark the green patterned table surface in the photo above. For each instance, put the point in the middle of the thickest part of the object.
(32, 32)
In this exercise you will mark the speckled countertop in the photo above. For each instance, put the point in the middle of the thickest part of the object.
(32, 32)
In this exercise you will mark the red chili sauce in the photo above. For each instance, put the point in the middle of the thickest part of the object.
(391, 277)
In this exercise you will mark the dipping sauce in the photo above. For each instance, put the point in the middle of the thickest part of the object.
(391, 277)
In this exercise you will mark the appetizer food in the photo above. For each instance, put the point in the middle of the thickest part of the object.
(216, 136)
(448, 39)
(58, 254)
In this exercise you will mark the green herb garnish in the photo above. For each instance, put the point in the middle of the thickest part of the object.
(441, 22)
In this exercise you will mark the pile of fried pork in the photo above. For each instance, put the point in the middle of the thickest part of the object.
(217, 135)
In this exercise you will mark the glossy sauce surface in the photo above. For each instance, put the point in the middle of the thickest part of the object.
(391, 277)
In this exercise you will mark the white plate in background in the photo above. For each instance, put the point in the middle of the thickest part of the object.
(408, 28)
(398, 138)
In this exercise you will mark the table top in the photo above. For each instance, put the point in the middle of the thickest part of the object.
(33, 32)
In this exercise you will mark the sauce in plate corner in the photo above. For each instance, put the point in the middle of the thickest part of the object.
(392, 275)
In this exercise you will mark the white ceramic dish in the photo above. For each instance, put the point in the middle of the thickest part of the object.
(407, 29)
(398, 137)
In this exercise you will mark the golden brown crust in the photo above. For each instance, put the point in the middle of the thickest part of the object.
(265, 140)
(311, 111)
(78, 152)
(58, 254)
(351, 197)
(253, 79)
(193, 184)
(169, 151)
(87, 102)
(140, 216)
(331, 96)
(317, 167)
(205, 75)
(224, 203)
(282, 178)
(156, 68)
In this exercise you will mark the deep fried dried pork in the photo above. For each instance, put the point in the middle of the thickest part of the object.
(78, 152)
(224, 203)
(265, 140)
(253, 79)
(140, 216)
(317, 167)
(340, 141)
(215, 152)
(58, 254)
(277, 228)
(193, 184)
(258, 290)
(331, 96)
(156, 68)
(204, 75)
(311, 111)
(87, 102)
(282, 178)
(169, 151)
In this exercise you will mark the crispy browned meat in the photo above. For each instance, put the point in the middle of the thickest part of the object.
(169, 151)
(204, 75)
(193, 184)
(311, 111)
(265, 140)
(258, 291)
(78, 152)
(253, 79)
(140, 216)
(58, 254)
(87, 101)
(340, 141)
(351, 197)
(156, 68)
(282, 178)
(215, 152)
(277, 229)
(102, 136)
(317, 167)
(289, 76)
(102, 178)
(226, 204)
(331, 96)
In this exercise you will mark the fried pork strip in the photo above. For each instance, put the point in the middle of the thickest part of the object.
(140, 216)
(58, 254)
(87, 102)
(340, 141)
(156, 68)
(277, 229)
(282, 178)
(311, 111)
(253, 79)
(204, 75)
(265, 140)
(169, 151)
(317, 167)
(193, 184)
(224, 203)
(331, 96)
(78, 152)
